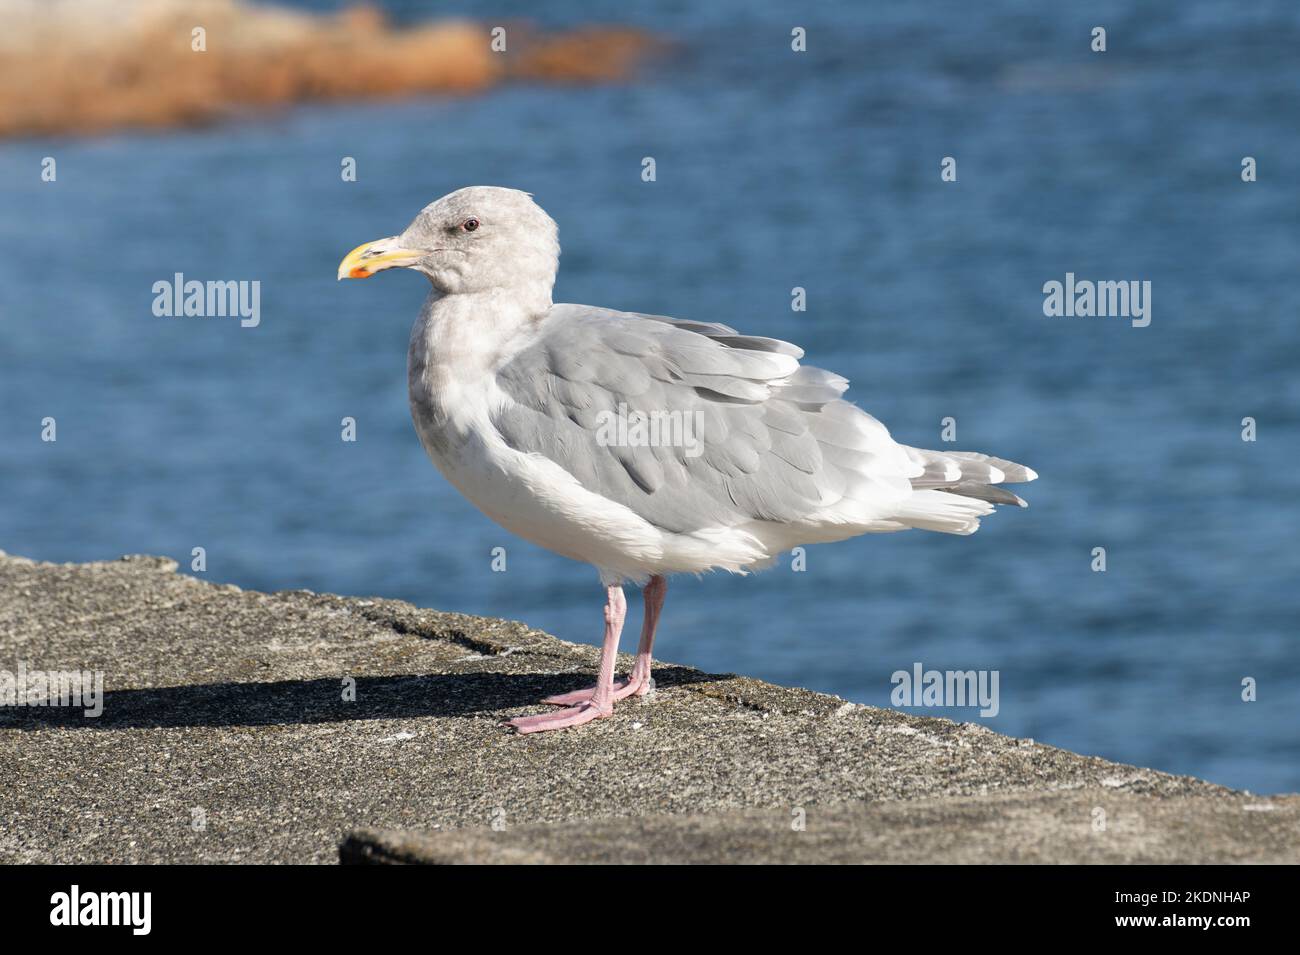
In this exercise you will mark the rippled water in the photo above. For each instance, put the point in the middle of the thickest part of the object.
(775, 170)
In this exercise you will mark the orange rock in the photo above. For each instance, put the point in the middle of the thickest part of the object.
(65, 75)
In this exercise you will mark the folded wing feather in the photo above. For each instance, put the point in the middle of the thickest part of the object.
(735, 430)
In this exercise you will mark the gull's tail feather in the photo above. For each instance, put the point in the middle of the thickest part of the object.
(956, 488)
(987, 492)
(935, 510)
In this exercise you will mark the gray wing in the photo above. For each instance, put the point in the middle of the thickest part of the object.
(745, 432)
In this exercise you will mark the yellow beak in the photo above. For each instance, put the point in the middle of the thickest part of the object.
(365, 260)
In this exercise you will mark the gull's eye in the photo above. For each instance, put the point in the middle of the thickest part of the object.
(470, 224)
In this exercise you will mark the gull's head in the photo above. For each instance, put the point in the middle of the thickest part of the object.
(470, 240)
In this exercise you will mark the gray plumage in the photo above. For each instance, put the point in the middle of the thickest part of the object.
(778, 444)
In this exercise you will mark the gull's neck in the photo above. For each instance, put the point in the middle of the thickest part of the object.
(477, 331)
(460, 340)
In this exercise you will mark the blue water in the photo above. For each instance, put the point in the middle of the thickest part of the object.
(775, 170)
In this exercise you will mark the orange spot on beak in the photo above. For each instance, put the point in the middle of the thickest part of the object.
(365, 260)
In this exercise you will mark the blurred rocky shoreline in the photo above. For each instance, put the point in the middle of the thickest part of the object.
(87, 66)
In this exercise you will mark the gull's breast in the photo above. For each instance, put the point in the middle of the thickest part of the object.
(527, 494)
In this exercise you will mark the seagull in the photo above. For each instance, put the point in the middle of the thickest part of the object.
(640, 444)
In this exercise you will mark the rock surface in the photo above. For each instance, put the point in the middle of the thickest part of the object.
(227, 736)
(84, 66)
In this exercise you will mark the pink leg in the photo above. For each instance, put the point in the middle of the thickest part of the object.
(639, 682)
(601, 702)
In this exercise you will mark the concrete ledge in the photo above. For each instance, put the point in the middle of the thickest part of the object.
(1006, 828)
(226, 737)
